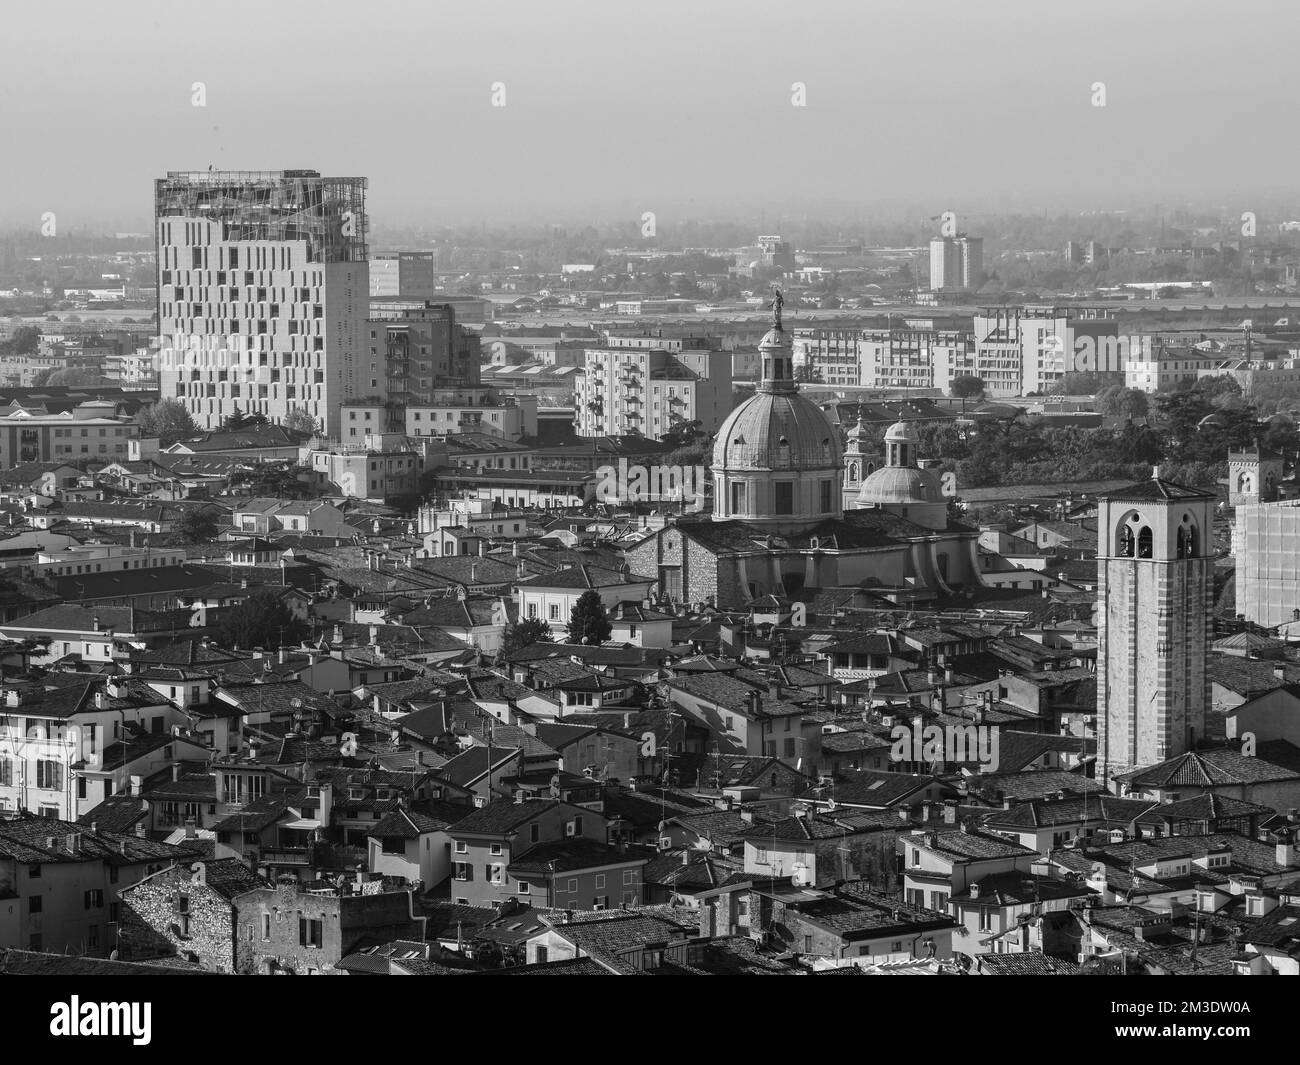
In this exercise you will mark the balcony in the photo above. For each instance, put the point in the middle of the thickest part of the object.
(296, 856)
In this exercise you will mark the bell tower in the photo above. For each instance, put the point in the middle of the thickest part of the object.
(858, 466)
(1155, 581)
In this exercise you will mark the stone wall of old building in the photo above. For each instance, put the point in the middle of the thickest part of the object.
(155, 923)
(699, 573)
(270, 932)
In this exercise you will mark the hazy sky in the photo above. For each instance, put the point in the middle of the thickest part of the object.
(675, 106)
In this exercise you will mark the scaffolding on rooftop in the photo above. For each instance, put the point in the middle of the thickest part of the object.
(328, 213)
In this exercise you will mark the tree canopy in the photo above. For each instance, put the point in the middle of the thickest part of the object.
(526, 632)
(168, 419)
(261, 620)
(966, 386)
(588, 622)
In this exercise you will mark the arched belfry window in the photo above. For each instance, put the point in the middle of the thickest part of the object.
(1144, 542)
(853, 471)
(1126, 539)
(1188, 547)
(1245, 483)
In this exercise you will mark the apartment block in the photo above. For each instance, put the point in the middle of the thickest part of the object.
(473, 410)
(956, 263)
(262, 292)
(414, 348)
(642, 385)
(829, 356)
(88, 431)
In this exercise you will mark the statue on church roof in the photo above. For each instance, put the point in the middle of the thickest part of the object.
(777, 301)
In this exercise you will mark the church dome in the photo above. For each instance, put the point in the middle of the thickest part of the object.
(777, 431)
(777, 459)
(901, 433)
(899, 484)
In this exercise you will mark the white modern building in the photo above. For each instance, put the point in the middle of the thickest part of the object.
(263, 292)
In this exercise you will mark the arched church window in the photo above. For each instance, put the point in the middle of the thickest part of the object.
(853, 471)
(1187, 545)
(1126, 545)
(1144, 542)
(1244, 483)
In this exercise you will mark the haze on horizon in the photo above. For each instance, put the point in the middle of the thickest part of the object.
(613, 109)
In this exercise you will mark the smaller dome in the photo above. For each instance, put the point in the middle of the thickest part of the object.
(775, 338)
(900, 433)
(899, 485)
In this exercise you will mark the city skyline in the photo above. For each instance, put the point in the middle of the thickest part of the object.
(717, 122)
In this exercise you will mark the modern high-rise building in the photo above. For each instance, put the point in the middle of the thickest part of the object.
(956, 263)
(1155, 586)
(262, 292)
(647, 385)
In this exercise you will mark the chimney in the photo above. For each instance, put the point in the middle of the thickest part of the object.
(975, 890)
(95, 622)
(284, 655)
(514, 548)
(1285, 852)
(686, 857)
(190, 832)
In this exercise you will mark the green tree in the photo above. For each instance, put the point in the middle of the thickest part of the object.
(25, 341)
(237, 419)
(1118, 401)
(966, 386)
(76, 375)
(261, 620)
(168, 419)
(301, 420)
(278, 478)
(195, 527)
(526, 632)
(1082, 383)
(588, 622)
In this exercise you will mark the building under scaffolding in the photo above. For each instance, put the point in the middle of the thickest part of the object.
(329, 213)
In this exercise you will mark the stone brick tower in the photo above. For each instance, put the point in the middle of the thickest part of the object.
(1155, 582)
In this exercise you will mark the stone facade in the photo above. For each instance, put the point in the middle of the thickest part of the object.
(176, 913)
(284, 930)
(1155, 593)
